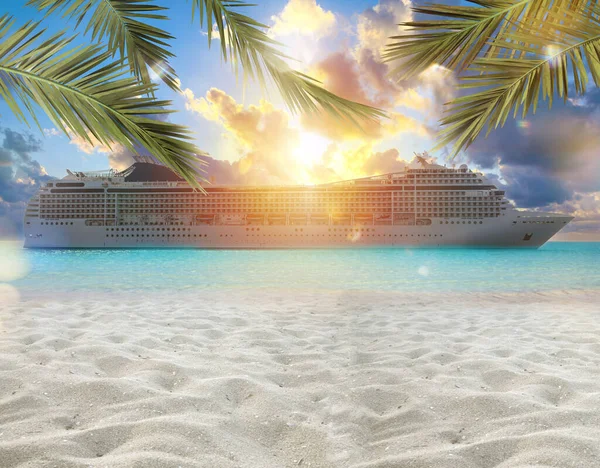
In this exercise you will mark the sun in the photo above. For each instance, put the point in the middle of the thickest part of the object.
(310, 149)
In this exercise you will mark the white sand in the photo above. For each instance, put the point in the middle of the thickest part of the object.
(284, 379)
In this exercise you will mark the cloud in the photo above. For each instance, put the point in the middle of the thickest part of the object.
(384, 162)
(378, 23)
(20, 178)
(270, 149)
(303, 17)
(50, 132)
(426, 93)
(340, 74)
(261, 133)
(119, 157)
(88, 146)
(359, 74)
(550, 161)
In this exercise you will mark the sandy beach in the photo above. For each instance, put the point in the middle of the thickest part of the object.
(293, 378)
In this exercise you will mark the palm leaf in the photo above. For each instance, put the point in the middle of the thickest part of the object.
(246, 45)
(537, 61)
(83, 92)
(125, 24)
(465, 35)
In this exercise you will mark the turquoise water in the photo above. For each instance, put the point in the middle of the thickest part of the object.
(554, 266)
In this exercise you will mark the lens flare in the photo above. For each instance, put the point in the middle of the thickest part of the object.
(524, 127)
(354, 235)
(13, 264)
(552, 50)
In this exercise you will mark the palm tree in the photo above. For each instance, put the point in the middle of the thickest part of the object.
(104, 92)
(508, 54)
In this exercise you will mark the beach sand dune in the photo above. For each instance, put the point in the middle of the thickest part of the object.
(295, 378)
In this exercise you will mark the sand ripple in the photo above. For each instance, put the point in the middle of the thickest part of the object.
(291, 378)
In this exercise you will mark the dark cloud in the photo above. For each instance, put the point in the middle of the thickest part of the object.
(20, 178)
(532, 189)
(549, 160)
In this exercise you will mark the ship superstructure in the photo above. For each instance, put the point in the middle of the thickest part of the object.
(147, 205)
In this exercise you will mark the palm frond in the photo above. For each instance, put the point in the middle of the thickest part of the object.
(83, 92)
(246, 45)
(464, 33)
(538, 59)
(125, 24)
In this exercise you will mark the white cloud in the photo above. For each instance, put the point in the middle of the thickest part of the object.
(50, 132)
(377, 24)
(303, 17)
(90, 146)
(119, 157)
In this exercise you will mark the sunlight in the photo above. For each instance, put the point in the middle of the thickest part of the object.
(311, 148)
(552, 50)
(156, 77)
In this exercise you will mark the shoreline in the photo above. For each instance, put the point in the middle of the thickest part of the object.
(241, 295)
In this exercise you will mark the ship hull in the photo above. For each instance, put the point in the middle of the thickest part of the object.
(503, 232)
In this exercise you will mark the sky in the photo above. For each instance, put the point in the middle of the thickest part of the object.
(549, 162)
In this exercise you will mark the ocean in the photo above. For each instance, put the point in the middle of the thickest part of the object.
(556, 266)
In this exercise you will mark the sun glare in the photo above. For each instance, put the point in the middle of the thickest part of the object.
(311, 148)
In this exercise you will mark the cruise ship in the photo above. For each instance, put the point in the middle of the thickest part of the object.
(149, 206)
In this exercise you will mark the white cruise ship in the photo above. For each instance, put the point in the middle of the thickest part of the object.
(149, 206)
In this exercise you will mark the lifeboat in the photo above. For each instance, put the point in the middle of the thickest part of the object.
(277, 219)
(232, 219)
(255, 218)
(383, 219)
(319, 219)
(298, 219)
(341, 219)
(205, 218)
